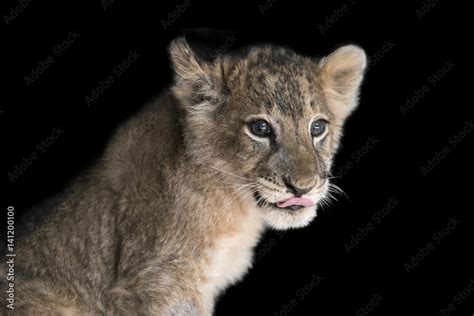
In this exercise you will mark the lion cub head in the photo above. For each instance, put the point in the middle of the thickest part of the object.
(270, 120)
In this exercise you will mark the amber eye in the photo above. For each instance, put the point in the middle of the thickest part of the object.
(318, 127)
(260, 128)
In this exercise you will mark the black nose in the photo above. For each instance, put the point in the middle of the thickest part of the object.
(297, 191)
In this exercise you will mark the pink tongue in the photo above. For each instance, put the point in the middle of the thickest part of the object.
(295, 201)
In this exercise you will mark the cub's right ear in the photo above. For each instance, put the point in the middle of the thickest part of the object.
(341, 74)
(193, 76)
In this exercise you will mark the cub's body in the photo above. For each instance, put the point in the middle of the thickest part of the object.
(171, 212)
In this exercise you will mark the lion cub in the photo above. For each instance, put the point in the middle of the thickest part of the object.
(170, 214)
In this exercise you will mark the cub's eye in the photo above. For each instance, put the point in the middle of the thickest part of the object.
(318, 127)
(261, 128)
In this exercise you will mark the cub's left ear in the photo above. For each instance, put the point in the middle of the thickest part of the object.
(197, 83)
(341, 74)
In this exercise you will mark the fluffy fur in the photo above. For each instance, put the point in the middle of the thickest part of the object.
(168, 217)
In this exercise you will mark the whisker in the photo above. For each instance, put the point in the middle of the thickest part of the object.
(240, 196)
(327, 202)
(323, 203)
(336, 189)
(227, 172)
(250, 192)
(331, 197)
(240, 193)
(230, 197)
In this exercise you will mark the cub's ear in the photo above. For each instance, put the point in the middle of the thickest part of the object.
(341, 74)
(195, 80)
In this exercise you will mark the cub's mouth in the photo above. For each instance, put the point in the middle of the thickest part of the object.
(292, 204)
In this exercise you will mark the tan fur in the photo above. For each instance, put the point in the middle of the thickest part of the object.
(231, 254)
(168, 217)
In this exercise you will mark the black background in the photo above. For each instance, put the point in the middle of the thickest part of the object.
(408, 51)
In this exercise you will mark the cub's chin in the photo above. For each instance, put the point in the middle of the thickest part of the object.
(282, 219)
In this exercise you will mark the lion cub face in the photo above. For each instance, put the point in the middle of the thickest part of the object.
(270, 120)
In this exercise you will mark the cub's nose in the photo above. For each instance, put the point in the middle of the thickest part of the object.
(298, 191)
